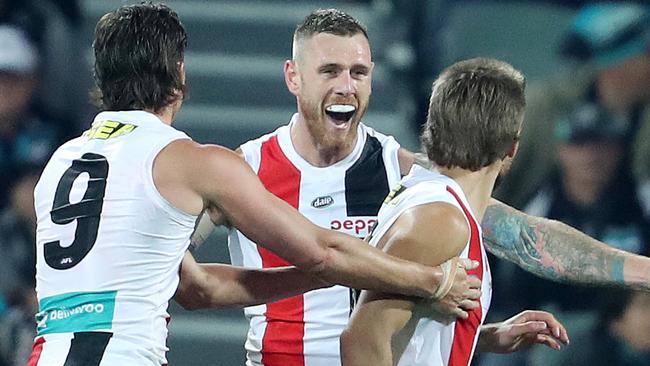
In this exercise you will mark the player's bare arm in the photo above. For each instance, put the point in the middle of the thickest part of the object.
(193, 176)
(555, 251)
(551, 249)
(215, 285)
(429, 234)
(202, 285)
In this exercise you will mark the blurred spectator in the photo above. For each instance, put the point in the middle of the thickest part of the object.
(65, 77)
(26, 135)
(611, 46)
(618, 337)
(17, 264)
(17, 235)
(591, 189)
(17, 330)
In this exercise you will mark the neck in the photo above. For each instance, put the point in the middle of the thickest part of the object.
(166, 114)
(477, 185)
(319, 152)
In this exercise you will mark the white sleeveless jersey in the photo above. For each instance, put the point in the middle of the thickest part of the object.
(109, 246)
(434, 343)
(305, 330)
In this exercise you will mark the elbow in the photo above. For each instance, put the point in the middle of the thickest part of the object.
(358, 348)
(347, 346)
(201, 301)
(196, 295)
(320, 264)
(347, 339)
(187, 304)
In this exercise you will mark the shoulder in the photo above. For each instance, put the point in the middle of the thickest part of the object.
(189, 159)
(407, 159)
(252, 149)
(436, 222)
(430, 233)
(386, 141)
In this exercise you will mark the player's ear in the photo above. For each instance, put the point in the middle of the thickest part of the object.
(513, 150)
(181, 69)
(291, 76)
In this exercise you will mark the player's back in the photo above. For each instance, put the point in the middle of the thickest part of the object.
(109, 245)
(425, 341)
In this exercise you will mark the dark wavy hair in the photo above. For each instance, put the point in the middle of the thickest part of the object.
(138, 52)
(475, 114)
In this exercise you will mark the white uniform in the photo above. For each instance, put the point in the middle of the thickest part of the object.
(305, 330)
(109, 246)
(434, 343)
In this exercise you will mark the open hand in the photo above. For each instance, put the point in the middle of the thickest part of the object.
(522, 331)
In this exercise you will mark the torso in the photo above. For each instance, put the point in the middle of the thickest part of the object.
(305, 330)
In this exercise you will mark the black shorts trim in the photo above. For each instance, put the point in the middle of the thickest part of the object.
(87, 348)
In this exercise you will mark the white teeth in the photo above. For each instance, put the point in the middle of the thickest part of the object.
(341, 108)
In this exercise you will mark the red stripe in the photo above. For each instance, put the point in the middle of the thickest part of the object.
(466, 329)
(37, 348)
(282, 344)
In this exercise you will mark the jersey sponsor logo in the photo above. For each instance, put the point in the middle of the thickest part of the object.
(104, 130)
(76, 312)
(322, 202)
(360, 227)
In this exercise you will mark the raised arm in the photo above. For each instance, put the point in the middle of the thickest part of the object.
(214, 285)
(555, 251)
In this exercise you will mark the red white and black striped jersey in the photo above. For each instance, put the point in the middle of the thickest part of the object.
(346, 196)
(434, 343)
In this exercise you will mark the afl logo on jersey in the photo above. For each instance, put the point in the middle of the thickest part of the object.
(322, 202)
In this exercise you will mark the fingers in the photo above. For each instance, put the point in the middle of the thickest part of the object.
(549, 341)
(473, 294)
(469, 305)
(468, 264)
(555, 327)
(461, 314)
(528, 327)
(474, 282)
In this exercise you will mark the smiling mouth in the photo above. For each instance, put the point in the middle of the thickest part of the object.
(340, 113)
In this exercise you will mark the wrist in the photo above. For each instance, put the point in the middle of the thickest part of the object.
(636, 273)
(437, 279)
(486, 332)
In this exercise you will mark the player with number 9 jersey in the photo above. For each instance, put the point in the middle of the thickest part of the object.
(109, 246)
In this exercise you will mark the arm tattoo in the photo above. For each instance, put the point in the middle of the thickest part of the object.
(557, 252)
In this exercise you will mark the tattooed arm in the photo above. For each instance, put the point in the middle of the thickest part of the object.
(557, 252)
(551, 249)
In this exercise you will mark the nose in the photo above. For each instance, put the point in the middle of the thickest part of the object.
(346, 85)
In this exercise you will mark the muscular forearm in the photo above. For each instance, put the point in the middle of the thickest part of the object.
(225, 286)
(555, 251)
(361, 266)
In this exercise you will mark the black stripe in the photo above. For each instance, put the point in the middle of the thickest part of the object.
(366, 182)
(87, 348)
